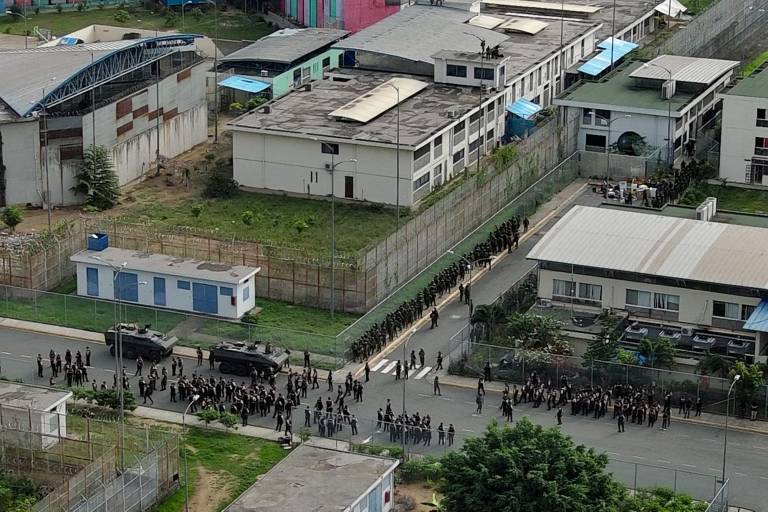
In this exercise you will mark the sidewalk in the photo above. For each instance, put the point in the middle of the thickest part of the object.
(249, 430)
(706, 419)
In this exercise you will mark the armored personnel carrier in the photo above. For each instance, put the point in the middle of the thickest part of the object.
(140, 341)
(239, 358)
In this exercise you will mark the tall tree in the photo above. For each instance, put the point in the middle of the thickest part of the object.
(605, 346)
(534, 332)
(658, 352)
(487, 317)
(97, 180)
(752, 381)
(527, 468)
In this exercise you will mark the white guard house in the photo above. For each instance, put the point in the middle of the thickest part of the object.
(25, 408)
(159, 280)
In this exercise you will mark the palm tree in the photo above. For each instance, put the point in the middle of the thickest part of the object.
(488, 316)
(714, 365)
(659, 352)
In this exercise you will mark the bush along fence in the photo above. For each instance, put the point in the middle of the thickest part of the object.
(408, 304)
(468, 358)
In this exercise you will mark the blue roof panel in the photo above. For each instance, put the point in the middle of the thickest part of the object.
(603, 60)
(244, 83)
(523, 108)
(758, 320)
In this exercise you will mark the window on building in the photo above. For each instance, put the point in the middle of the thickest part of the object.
(761, 146)
(602, 117)
(158, 285)
(226, 291)
(546, 72)
(484, 73)
(581, 49)
(666, 301)
(456, 70)
(420, 152)
(475, 144)
(538, 76)
(725, 310)
(474, 117)
(182, 285)
(590, 292)
(570, 55)
(246, 293)
(563, 288)
(329, 148)
(420, 181)
(327, 62)
(586, 115)
(92, 281)
(458, 156)
(438, 145)
(762, 117)
(595, 142)
(530, 82)
(638, 298)
(349, 187)
(746, 311)
(458, 133)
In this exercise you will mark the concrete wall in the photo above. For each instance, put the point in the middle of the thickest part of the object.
(21, 157)
(175, 298)
(134, 151)
(695, 305)
(283, 83)
(738, 132)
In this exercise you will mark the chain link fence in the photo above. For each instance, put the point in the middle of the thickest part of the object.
(79, 465)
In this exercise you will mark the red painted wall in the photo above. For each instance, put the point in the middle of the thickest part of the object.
(359, 14)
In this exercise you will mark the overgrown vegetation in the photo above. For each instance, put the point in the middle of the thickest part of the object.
(105, 398)
(97, 179)
(11, 217)
(728, 198)
(17, 493)
(755, 63)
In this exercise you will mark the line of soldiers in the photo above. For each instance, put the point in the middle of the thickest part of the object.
(75, 369)
(503, 237)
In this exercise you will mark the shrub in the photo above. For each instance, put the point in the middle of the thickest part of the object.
(217, 185)
(106, 398)
(170, 19)
(208, 415)
(121, 16)
(12, 217)
(197, 14)
(80, 6)
(59, 8)
(255, 102)
(228, 419)
(421, 470)
(247, 217)
(236, 106)
(196, 210)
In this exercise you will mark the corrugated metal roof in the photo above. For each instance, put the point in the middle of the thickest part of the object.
(708, 252)
(419, 31)
(684, 69)
(525, 26)
(379, 99)
(287, 45)
(605, 58)
(245, 83)
(545, 6)
(523, 108)
(485, 21)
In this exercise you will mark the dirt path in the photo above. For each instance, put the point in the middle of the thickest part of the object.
(211, 489)
(421, 495)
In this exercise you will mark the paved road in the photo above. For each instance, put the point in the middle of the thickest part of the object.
(686, 448)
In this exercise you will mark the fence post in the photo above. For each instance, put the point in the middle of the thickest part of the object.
(674, 488)
(635, 487)
(65, 310)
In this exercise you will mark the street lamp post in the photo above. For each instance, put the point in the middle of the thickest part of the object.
(405, 345)
(186, 467)
(670, 142)
(215, 72)
(26, 30)
(608, 145)
(183, 5)
(727, 412)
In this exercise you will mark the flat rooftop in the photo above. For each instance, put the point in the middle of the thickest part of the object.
(287, 45)
(313, 479)
(706, 252)
(305, 113)
(14, 394)
(165, 264)
(618, 89)
(755, 85)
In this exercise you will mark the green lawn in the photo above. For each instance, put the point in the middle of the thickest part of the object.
(232, 24)
(728, 198)
(755, 63)
(697, 6)
(286, 325)
(81, 312)
(237, 461)
(276, 218)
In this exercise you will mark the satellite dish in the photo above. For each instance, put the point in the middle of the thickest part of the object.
(630, 143)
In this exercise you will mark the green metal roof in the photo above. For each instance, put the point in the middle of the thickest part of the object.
(617, 89)
(755, 85)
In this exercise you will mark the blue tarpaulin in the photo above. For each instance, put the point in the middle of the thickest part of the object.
(602, 60)
(523, 108)
(758, 320)
(67, 41)
(243, 83)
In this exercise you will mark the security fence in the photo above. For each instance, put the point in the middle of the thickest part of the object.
(699, 486)
(83, 465)
(468, 358)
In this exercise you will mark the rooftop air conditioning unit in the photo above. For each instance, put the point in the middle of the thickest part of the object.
(544, 303)
(686, 331)
(667, 89)
(264, 73)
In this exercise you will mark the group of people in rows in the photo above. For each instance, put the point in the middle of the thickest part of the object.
(74, 369)
(504, 237)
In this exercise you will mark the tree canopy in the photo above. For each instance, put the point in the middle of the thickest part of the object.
(527, 468)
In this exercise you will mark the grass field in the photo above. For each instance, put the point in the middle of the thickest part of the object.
(755, 63)
(292, 221)
(728, 198)
(222, 466)
(232, 24)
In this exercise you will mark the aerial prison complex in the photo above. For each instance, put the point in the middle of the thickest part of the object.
(423, 92)
(128, 93)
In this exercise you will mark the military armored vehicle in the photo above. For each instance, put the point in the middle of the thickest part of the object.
(239, 358)
(140, 341)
